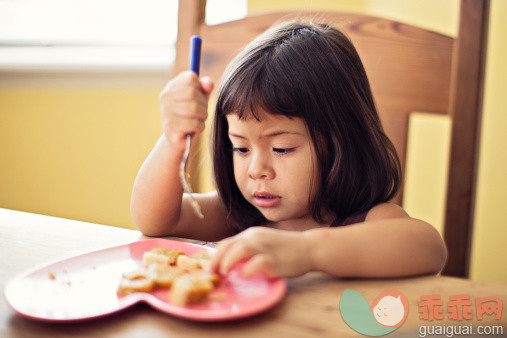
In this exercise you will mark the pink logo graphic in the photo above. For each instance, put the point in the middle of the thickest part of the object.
(390, 308)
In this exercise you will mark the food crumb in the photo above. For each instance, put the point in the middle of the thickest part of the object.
(52, 275)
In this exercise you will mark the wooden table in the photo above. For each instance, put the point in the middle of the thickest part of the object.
(310, 308)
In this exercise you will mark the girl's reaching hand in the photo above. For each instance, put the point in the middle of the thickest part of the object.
(184, 107)
(274, 253)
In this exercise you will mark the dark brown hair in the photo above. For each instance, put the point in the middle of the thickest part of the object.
(311, 71)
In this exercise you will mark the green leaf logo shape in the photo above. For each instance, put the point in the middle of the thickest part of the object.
(358, 315)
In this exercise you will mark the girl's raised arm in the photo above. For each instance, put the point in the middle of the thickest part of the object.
(158, 205)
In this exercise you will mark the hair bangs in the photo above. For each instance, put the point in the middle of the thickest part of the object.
(258, 87)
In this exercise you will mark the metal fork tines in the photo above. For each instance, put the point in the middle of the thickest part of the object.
(184, 182)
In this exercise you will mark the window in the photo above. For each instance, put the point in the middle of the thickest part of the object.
(103, 34)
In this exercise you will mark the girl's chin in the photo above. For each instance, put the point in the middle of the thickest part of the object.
(278, 214)
(272, 216)
(273, 219)
(277, 217)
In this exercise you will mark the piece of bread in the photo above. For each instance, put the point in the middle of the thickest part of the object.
(205, 275)
(188, 289)
(161, 256)
(127, 286)
(187, 263)
(163, 275)
(135, 274)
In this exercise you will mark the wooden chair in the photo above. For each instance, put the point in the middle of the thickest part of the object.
(410, 69)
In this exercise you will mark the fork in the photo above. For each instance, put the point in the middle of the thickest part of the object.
(195, 56)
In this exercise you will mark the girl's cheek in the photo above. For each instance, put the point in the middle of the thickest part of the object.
(241, 166)
(238, 171)
(240, 176)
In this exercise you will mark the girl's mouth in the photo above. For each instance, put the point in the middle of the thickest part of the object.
(265, 200)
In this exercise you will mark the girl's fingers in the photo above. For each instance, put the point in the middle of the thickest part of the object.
(234, 255)
(185, 109)
(186, 86)
(179, 127)
(184, 106)
(207, 86)
(184, 79)
(187, 77)
(184, 125)
(189, 93)
(260, 264)
(222, 248)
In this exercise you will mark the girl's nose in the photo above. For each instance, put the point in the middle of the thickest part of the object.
(260, 169)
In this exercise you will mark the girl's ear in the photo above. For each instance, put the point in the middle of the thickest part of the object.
(206, 85)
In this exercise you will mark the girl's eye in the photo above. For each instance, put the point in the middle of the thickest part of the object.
(241, 151)
(283, 151)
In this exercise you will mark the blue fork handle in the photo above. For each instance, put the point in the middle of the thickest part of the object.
(195, 53)
(195, 56)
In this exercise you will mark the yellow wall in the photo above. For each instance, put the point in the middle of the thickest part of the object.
(74, 152)
(73, 149)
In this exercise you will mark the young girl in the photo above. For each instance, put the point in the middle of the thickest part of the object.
(303, 169)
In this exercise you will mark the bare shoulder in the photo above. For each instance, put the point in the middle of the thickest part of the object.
(385, 211)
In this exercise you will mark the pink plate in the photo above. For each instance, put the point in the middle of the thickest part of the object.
(84, 287)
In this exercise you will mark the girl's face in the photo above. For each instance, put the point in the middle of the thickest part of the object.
(274, 165)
